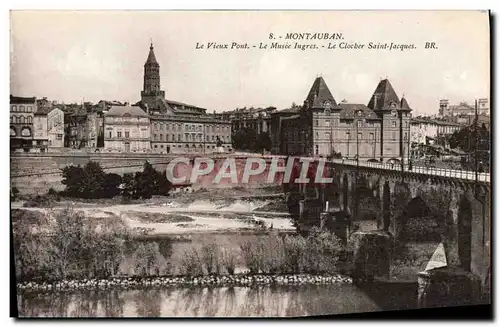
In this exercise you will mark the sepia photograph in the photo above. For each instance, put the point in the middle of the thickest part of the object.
(206, 163)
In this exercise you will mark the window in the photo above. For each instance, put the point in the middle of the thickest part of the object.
(393, 123)
(317, 149)
(110, 134)
(173, 138)
(119, 134)
(22, 119)
(348, 135)
(59, 137)
(155, 136)
(14, 108)
(156, 146)
(21, 108)
(360, 136)
(317, 122)
(406, 136)
(372, 136)
(327, 123)
(317, 135)
(11, 119)
(327, 134)
(127, 134)
(179, 137)
(168, 137)
(30, 108)
(393, 136)
(29, 120)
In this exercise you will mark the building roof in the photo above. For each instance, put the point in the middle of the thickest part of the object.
(151, 56)
(124, 110)
(319, 93)
(385, 95)
(404, 104)
(21, 100)
(350, 110)
(45, 110)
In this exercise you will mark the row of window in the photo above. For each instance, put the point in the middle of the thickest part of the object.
(361, 123)
(21, 108)
(162, 146)
(189, 137)
(126, 134)
(190, 128)
(21, 120)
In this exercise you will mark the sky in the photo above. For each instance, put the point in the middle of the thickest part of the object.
(71, 56)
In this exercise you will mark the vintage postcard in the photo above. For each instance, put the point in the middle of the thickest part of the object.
(249, 163)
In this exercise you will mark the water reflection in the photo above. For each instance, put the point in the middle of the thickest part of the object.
(257, 301)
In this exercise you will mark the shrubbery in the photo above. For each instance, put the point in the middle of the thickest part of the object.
(269, 254)
(76, 247)
(90, 181)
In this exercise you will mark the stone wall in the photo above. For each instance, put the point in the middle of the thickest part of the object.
(36, 173)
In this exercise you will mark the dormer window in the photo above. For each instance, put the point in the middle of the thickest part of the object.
(393, 104)
(359, 113)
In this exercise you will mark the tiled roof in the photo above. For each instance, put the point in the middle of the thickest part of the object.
(319, 93)
(45, 110)
(350, 110)
(123, 110)
(385, 95)
(21, 100)
(151, 57)
(404, 104)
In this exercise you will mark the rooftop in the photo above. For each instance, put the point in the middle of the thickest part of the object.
(133, 111)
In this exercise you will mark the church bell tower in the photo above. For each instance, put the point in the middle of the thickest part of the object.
(151, 90)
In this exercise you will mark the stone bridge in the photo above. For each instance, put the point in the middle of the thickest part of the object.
(457, 203)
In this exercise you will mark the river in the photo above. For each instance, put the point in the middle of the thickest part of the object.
(255, 301)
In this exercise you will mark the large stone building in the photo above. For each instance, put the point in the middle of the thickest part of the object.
(324, 127)
(126, 129)
(175, 126)
(463, 108)
(427, 131)
(22, 111)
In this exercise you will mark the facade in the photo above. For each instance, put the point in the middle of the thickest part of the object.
(40, 134)
(48, 129)
(126, 129)
(95, 129)
(424, 131)
(463, 108)
(178, 127)
(322, 127)
(276, 124)
(75, 129)
(22, 112)
(55, 128)
(258, 119)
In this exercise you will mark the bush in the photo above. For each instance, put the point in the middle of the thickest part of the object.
(75, 247)
(191, 263)
(147, 257)
(228, 260)
(271, 254)
(210, 258)
(14, 192)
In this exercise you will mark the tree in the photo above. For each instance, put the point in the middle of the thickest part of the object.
(263, 142)
(111, 185)
(93, 180)
(73, 179)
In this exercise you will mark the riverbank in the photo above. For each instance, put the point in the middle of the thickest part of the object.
(213, 280)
